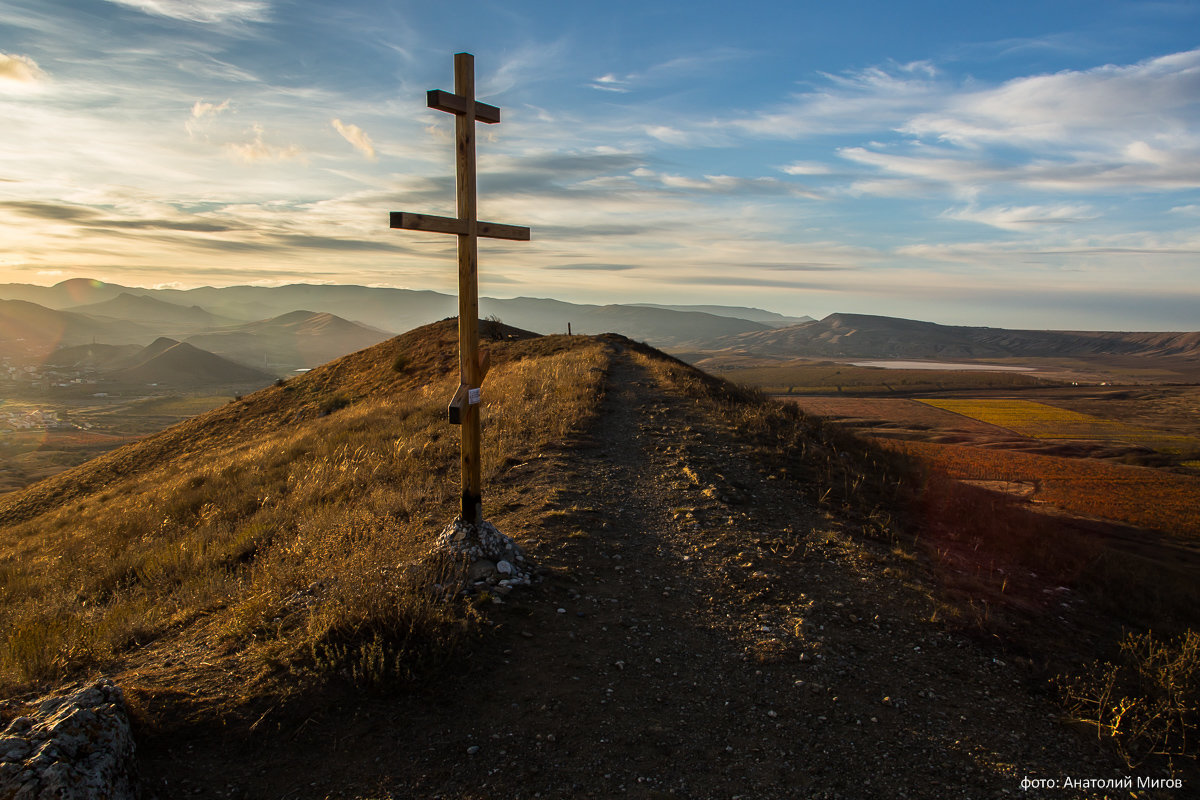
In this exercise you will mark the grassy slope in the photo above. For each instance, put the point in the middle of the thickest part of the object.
(290, 525)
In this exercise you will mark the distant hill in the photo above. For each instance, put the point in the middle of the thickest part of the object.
(28, 327)
(298, 339)
(867, 336)
(737, 312)
(401, 309)
(166, 361)
(384, 308)
(656, 326)
(73, 292)
(152, 311)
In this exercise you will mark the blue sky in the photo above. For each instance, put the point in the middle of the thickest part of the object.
(1011, 164)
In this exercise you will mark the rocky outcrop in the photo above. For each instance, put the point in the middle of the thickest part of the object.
(72, 747)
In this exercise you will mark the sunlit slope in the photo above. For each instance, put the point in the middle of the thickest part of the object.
(219, 522)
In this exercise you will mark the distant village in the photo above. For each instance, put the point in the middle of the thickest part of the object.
(34, 377)
(45, 376)
(35, 420)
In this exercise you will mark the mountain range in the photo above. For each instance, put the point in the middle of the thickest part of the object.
(868, 336)
(403, 309)
(285, 328)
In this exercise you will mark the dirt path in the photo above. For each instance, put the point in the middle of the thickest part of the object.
(685, 643)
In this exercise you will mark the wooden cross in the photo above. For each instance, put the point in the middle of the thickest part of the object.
(472, 365)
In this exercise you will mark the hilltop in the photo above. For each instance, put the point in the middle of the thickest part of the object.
(181, 364)
(732, 598)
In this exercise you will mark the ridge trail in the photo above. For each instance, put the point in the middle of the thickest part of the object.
(702, 632)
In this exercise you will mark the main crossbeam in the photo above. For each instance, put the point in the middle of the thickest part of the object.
(456, 104)
(428, 222)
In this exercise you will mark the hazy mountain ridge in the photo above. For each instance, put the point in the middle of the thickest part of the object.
(738, 312)
(843, 335)
(303, 339)
(44, 328)
(358, 316)
(151, 310)
(389, 309)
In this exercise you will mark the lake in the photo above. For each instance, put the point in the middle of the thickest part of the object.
(943, 365)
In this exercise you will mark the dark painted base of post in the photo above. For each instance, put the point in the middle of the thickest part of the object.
(472, 508)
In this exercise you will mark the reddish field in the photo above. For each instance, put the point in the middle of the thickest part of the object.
(1147, 498)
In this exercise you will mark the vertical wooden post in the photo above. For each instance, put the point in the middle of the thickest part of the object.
(464, 408)
(468, 292)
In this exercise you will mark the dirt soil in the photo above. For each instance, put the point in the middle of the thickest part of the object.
(701, 632)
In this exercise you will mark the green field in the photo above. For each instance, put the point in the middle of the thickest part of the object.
(1041, 421)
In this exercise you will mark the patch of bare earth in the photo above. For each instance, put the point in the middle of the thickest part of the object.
(702, 632)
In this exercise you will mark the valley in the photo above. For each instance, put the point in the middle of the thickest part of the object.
(42, 435)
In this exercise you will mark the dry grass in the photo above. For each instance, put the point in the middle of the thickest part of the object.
(293, 527)
(863, 484)
(1145, 704)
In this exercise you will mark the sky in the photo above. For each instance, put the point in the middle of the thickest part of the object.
(1017, 164)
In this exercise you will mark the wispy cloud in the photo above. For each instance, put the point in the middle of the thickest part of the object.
(610, 83)
(1023, 218)
(669, 135)
(592, 267)
(723, 184)
(806, 168)
(206, 11)
(665, 71)
(863, 100)
(357, 137)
